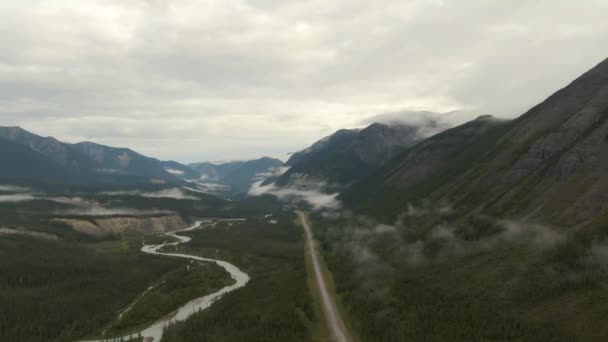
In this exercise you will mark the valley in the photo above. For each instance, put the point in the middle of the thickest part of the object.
(303, 171)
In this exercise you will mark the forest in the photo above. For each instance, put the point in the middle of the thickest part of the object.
(275, 305)
(62, 291)
(437, 276)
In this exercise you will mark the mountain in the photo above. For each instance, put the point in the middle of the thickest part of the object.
(86, 162)
(418, 171)
(121, 161)
(549, 164)
(63, 154)
(241, 178)
(238, 175)
(348, 155)
(22, 164)
(215, 172)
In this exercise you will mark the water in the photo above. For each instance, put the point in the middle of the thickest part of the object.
(154, 332)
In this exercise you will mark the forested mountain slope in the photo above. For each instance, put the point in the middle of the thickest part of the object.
(549, 163)
(348, 155)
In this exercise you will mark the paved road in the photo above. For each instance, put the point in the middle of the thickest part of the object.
(332, 316)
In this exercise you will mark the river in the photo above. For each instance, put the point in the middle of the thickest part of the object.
(154, 332)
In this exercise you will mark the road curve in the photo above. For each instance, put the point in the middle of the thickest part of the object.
(332, 316)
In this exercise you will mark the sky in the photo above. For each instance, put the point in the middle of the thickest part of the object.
(194, 80)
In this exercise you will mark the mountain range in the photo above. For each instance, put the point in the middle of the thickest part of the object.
(550, 163)
(27, 157)
(81, 163)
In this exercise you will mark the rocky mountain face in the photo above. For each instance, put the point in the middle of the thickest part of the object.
(348, 156)
(552, 162)
(548, 164)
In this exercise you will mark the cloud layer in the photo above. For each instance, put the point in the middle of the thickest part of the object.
(193, 80)
(312, 195)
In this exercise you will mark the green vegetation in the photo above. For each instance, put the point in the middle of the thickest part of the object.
(62, 291)
(441, 277)
(275, 305)
(190, 280)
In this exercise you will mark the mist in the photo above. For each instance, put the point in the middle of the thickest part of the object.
(85, 207)
(312, 196)
(17, 198)
(174, 193)
(13, 188)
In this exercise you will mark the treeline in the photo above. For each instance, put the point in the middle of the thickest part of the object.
(274, 306)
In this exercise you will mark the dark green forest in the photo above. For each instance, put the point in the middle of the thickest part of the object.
(436, 276)
(190, 280)
(275, 305)
(62, 291)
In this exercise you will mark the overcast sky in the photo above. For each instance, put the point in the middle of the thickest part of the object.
(195, 80)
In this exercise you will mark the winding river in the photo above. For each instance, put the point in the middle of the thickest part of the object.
(154, 332)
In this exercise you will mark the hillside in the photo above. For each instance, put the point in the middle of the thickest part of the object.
(348, 155)
(21, 164)
(121, 160)
(557, 150)
(83, 163)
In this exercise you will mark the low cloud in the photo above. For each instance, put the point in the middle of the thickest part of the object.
(13, 193)
(428, 123)
(102, 211)
(294, 194)
(174, 193)
(206, 187)
(85, 207)
(411, 243)
(174, 171)
(273, 172)
(17, 198)
(13, 188)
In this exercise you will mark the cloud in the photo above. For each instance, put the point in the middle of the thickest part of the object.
(207, 188)
(273, 172)
(174, 193)
(85, 207)
(174, 171)
(14, 188)
(312, 196)
(17, 198)
(170, 78)
(428, 123)
(102, 211)
(409, 242)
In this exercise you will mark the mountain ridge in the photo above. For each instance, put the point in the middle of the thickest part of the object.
(548, 164)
